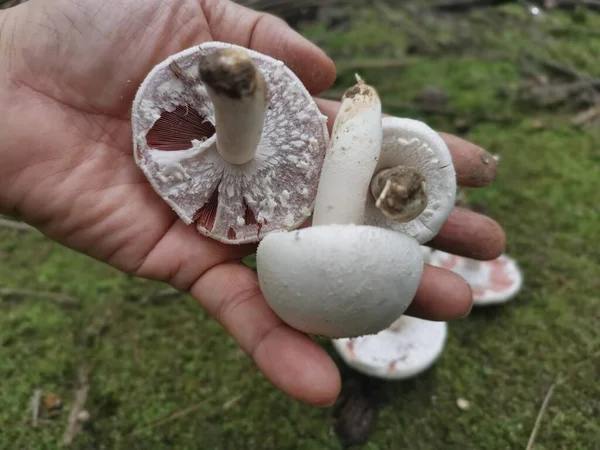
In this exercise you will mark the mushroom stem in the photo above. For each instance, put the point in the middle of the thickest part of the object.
(351, 158)
(400, 193)
(238, 92)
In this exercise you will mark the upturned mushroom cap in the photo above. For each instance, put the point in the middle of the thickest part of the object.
(176, 148)
(404, 350)
(339, 280)
(491, 282)
(413, 144)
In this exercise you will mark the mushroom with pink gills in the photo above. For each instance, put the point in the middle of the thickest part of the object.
(385, 188)
(405, 349)
(231, 140)
(492, 282)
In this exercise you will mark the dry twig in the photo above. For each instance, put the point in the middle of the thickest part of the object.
(163, 294)
(176, 415)
(74, 424)
(559, 380)
(59, 299)
(541, 412)
(587, 116)
(186, 411)
(35, 407)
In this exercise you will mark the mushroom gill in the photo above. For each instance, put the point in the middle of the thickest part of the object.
(175, 130)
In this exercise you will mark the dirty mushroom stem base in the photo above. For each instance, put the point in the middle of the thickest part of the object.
(400, 193)
(238, 92)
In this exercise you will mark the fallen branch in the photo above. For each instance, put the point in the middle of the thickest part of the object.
(592, 4)
(399, 15)
(559, 68)
(431, 109)
(586, 116)
(466, 5)
(59, 299)
(77, 409)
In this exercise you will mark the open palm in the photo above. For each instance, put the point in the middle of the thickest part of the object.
(69, 70)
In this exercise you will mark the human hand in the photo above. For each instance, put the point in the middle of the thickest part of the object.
(69, 71)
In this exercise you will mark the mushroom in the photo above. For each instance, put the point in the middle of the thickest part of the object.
(231, 140)
(414, 187)
(340, 278)
(492, 282)
(405, 349)
(426, 252)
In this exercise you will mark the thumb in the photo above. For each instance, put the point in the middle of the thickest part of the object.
(265, 33)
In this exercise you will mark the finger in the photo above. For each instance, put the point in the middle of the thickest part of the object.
(289, 359)
(469, 234)
(474, 166)
(442, 295)
(230, 22)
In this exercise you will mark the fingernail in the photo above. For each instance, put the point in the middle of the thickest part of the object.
(486, 156)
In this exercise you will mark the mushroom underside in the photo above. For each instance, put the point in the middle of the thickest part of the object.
(413, 144)
(491, 282)
(407, 348)
(175, 146)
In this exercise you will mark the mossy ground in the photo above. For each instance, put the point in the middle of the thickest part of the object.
(155, 357)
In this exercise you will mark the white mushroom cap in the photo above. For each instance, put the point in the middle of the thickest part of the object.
(339, 280)
(232, 203)
(413, 144)
(491, 282)
(409, 350)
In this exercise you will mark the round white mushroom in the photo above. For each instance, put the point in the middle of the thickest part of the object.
(405, 349)
(340, 278)
(491, 282)
(231, 140)
(414, 187)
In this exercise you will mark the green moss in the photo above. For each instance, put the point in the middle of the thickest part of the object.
(152, 359)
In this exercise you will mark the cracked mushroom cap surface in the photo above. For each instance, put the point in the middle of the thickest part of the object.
(412, 143)
(406, 349)
(175, 147)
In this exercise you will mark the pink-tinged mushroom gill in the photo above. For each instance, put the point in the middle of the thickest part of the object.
(176, 141)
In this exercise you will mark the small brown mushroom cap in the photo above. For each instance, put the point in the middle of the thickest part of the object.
(175, 147)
